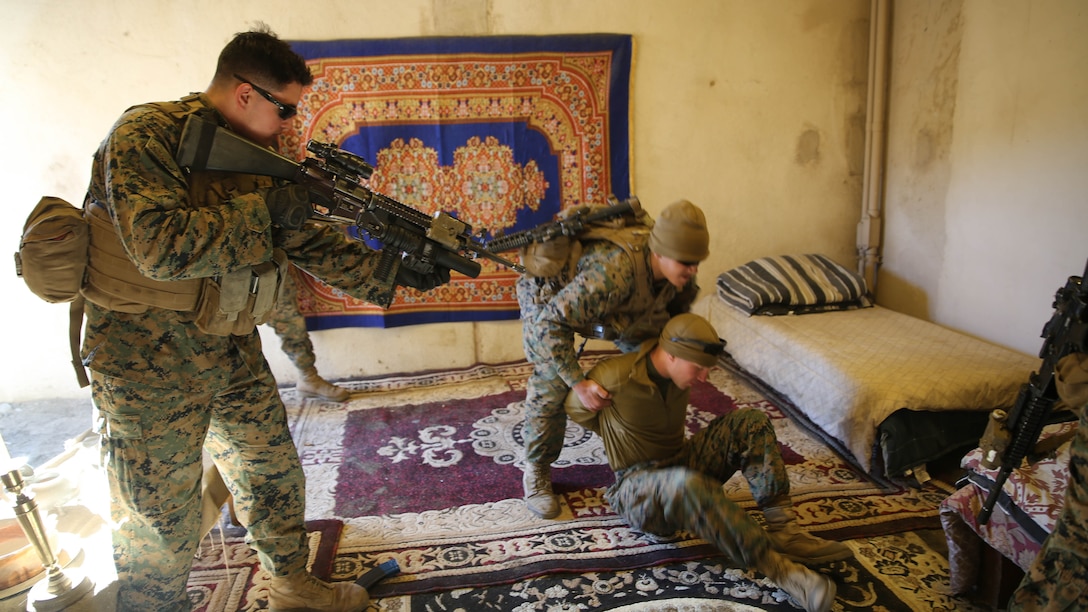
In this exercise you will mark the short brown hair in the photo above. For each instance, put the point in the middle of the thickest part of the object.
(260, 56)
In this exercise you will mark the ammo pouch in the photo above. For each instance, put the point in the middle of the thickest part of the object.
(558, 256)
(237, 302)
(550, 258)
(234, 303)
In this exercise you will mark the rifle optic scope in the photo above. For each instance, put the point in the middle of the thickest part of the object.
(341, 161)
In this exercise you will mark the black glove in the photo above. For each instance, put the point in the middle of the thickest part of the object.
(289, 206)
(407, 277)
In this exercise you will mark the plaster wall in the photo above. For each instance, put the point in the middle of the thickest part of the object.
(988, 144)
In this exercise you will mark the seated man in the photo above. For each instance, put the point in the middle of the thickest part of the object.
(665, 484)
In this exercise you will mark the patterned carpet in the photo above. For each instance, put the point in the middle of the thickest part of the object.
(226, 574)
(894, 572)
(425, 469)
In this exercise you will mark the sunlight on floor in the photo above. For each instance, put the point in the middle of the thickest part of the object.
(72, 498)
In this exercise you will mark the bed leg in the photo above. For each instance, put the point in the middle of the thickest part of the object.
(997, 580)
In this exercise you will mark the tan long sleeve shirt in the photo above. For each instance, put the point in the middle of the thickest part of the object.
(640, 425)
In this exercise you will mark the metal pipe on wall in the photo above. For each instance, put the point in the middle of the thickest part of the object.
(869, 229)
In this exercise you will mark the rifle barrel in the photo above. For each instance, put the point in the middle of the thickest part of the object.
(553, 229)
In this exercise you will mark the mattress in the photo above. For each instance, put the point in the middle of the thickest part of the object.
(848, 371)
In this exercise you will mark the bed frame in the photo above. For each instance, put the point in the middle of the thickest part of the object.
(896, 392)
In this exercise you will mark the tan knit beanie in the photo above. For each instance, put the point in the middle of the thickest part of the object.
(691, 337)
(680, 233)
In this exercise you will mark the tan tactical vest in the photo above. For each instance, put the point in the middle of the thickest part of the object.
(234, 303)
(634, 240)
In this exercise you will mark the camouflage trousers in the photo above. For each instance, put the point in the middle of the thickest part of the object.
(545, 391)
(1058, 578)
(545, 416)
(685, 492)
(152, 444)
(290, 325)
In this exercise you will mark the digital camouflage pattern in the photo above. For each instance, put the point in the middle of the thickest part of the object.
(666, 484)
(290, 325)
(1058, 578)
(160, 383)
(153, 439)
(602, 291)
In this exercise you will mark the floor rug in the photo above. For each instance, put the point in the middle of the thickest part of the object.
(226, 575)
(425, 469)
(892, 573)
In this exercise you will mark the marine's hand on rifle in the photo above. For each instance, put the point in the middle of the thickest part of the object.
(289, 206)
(327, 188)
(408, 277)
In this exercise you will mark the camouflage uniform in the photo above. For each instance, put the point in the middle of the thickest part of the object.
(552, 310)
(665, 484)
(1058, 578)
(165, 389)
(290, 325)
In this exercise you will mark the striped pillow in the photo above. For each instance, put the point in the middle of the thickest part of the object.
(792, 284)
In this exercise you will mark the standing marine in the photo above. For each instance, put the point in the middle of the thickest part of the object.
(624, 288)
(289, 324)
(182, 267)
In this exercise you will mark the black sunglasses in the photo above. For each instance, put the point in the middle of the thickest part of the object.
(286, 110)
(710, 348)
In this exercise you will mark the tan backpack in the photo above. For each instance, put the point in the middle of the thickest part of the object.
(52, 255)
(52, 259)
(558, 256)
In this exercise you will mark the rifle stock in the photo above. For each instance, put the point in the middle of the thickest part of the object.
(206, 146)
(1010, 436)
(422, 243)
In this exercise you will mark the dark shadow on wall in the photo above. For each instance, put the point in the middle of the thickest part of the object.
(898, 294)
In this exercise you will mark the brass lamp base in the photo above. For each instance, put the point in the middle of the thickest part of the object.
(57, 591)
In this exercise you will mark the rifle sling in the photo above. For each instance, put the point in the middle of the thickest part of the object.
(75, 326)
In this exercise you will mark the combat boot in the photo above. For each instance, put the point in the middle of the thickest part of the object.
(788, 538)
(305, 593)
(813, 591)
(310, 384)
(539, 498)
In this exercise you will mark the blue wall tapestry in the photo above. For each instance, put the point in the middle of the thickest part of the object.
(499, 132)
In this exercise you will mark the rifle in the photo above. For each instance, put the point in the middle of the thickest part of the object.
(1010, 436)
(333, 176)
(569, 225)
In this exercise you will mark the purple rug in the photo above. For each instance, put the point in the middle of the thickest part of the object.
(413, 458)
(426, 470)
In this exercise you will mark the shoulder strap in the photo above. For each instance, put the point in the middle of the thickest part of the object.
(634, 240)
(75, 326)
